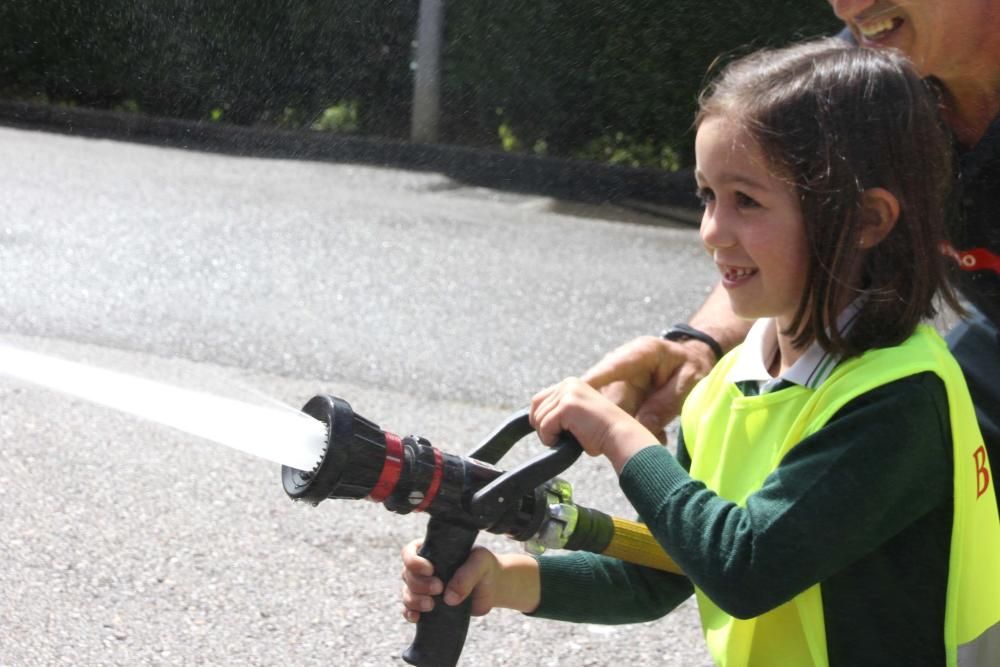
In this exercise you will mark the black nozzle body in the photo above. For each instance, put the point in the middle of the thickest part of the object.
(408, 474)
(352, 460)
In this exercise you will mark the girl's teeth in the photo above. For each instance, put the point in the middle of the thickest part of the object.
(736, 274)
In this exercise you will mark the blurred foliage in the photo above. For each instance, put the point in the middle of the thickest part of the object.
(616, 81)
(620, 149)
(342, 118)
(585, 78)
(241, 61)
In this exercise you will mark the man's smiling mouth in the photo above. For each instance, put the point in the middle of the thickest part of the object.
(876, 29)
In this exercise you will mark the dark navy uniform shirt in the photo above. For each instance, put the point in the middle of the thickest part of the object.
(975, 231)
(974, 234)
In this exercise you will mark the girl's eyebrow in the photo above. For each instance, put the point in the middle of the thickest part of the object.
(728, 178)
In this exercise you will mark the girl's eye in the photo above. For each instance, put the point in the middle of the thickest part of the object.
(743, 201)
(705, 196)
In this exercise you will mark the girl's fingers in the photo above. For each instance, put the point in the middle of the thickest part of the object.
(479, 564)
(419, 583)
(416, 602)
(541, 404)
(545, 415)
(415, 563)
(422, 585)
(463, 583)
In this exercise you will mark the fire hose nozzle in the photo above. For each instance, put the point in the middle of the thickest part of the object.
(352, 460)
(408, 474)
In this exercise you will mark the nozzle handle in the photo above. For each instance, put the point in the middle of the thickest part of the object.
(441, 632)
(491, 501)
(505, 436)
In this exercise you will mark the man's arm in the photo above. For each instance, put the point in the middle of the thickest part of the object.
(650, 377)
(717, 319)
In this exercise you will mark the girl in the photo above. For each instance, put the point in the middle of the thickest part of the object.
(829, 501)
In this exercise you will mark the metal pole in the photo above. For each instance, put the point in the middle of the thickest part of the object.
(427, 70)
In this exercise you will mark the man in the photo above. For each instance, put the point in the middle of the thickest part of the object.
(957, 44)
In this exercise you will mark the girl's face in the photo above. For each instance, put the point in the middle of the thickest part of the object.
(752, 223)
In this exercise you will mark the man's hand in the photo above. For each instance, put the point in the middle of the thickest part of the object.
(650, 377)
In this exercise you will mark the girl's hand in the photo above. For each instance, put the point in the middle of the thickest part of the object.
(509, 580)
(601, 427)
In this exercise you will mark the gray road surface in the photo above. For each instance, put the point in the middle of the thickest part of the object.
(434, 308)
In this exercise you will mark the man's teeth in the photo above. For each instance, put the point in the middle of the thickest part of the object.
(877, 27)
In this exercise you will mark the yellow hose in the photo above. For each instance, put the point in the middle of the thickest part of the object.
(632, 542)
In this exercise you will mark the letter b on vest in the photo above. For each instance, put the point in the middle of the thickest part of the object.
(982, 472)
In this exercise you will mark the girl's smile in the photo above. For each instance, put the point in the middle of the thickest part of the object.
(734, 276)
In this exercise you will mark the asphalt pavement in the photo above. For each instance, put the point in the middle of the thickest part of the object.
(434, 307)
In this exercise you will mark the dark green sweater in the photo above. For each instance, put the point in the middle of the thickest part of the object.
(862, 507)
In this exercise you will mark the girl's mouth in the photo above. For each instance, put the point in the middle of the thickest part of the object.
(733, 276)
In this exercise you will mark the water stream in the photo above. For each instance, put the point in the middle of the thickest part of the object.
(287, 437)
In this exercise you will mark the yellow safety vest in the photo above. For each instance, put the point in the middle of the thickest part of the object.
(736, 441)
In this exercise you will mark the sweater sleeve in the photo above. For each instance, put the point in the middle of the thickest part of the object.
(881, 463)
(587, 588)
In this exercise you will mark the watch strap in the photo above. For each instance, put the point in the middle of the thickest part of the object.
(679, 332)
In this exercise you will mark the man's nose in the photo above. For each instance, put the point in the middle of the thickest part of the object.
(848, 9)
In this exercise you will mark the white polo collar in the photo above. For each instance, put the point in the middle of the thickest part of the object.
(761, 344)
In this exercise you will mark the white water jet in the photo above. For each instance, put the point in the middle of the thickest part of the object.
(287, 437)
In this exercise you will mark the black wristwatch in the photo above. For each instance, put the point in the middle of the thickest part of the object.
(679, 332)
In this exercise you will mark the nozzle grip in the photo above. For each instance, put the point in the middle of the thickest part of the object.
(491, 501)
(441, 632)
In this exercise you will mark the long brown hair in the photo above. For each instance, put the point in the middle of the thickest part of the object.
(835, 120)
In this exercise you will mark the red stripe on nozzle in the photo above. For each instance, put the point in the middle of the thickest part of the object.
(435, 484)
(391, 468)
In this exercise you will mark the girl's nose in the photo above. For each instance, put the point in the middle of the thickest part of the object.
(713, 230)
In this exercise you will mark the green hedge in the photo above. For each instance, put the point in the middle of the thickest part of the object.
(580, 78)
(242, 61)
(592, 77)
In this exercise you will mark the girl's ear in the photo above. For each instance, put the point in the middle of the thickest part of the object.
(880, 213)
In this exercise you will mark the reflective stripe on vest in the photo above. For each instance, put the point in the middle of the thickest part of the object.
(983, 651)
(717, 420)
